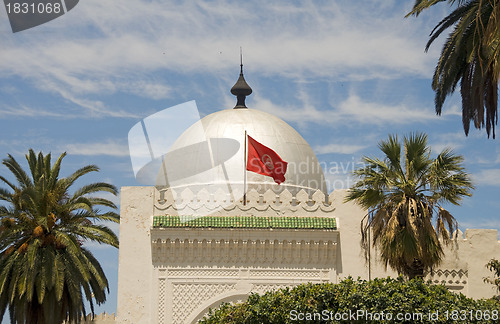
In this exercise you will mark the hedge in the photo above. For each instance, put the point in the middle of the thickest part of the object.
(358, 301)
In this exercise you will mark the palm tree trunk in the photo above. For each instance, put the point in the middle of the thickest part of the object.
(416, 269)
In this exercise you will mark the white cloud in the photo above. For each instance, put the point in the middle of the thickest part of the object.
(353, 110)
(356, 109)
(441, 141)
(109, 148)
(94, 108)
(151, 90)
(25, 111)
(481, 223)
(118, 44)
(338, 148)
(454, 110)
(487, 177)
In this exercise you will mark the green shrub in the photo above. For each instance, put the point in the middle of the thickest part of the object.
(358, 301)
(494, 266)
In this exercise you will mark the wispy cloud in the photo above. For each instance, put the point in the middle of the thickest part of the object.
(440, 141)
(94, 108)
(487, 177)
(151, 90)
(30, 112)
(454, 110)
(193, 37)
(108, 148)
(486, 223)
(369, 112)
(339, 148)
(353, 110)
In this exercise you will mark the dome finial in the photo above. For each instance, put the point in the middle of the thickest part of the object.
(241, 89)
(241, 60)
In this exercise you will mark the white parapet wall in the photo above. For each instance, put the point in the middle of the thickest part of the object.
(464, 266)
(175, 274)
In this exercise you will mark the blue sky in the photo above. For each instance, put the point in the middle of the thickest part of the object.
(345, 74)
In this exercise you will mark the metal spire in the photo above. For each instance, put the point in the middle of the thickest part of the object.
(241, 60)
(241, 89)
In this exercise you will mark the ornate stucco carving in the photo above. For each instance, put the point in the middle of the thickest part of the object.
(449, 277)
(218, 202)
(187, 297)
(242, 251)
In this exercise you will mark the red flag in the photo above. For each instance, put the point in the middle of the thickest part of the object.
(262, 160)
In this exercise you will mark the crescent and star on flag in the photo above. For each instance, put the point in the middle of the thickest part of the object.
(263, 160)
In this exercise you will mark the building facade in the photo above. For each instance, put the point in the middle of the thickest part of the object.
(217, 236)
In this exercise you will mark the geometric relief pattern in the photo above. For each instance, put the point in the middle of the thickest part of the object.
(191, 203)
(200, 273)
(285, 273)
(240, 250)
(161, 300)
(449, 277)
(187, 297)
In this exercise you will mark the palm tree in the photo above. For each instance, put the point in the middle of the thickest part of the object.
(402, 193)
(470, 55)
(45, 272)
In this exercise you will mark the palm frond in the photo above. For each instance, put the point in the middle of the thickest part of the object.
(421, 5)
(44, 270)
(471, 56)
(21, 176)
(401, 193)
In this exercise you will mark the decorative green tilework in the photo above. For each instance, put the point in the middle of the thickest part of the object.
(245, 222)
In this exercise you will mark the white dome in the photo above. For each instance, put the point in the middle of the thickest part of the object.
(210, 154)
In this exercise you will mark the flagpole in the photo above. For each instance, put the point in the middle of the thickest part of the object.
(245, 171)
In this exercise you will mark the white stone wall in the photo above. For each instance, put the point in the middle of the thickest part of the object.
(199, 268)
(464, 267)
(135, 268)
(175, 275)
(100, 319)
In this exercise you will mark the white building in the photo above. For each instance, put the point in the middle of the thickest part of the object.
(189, 247)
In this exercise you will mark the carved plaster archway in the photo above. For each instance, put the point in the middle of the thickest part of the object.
(229, 297)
